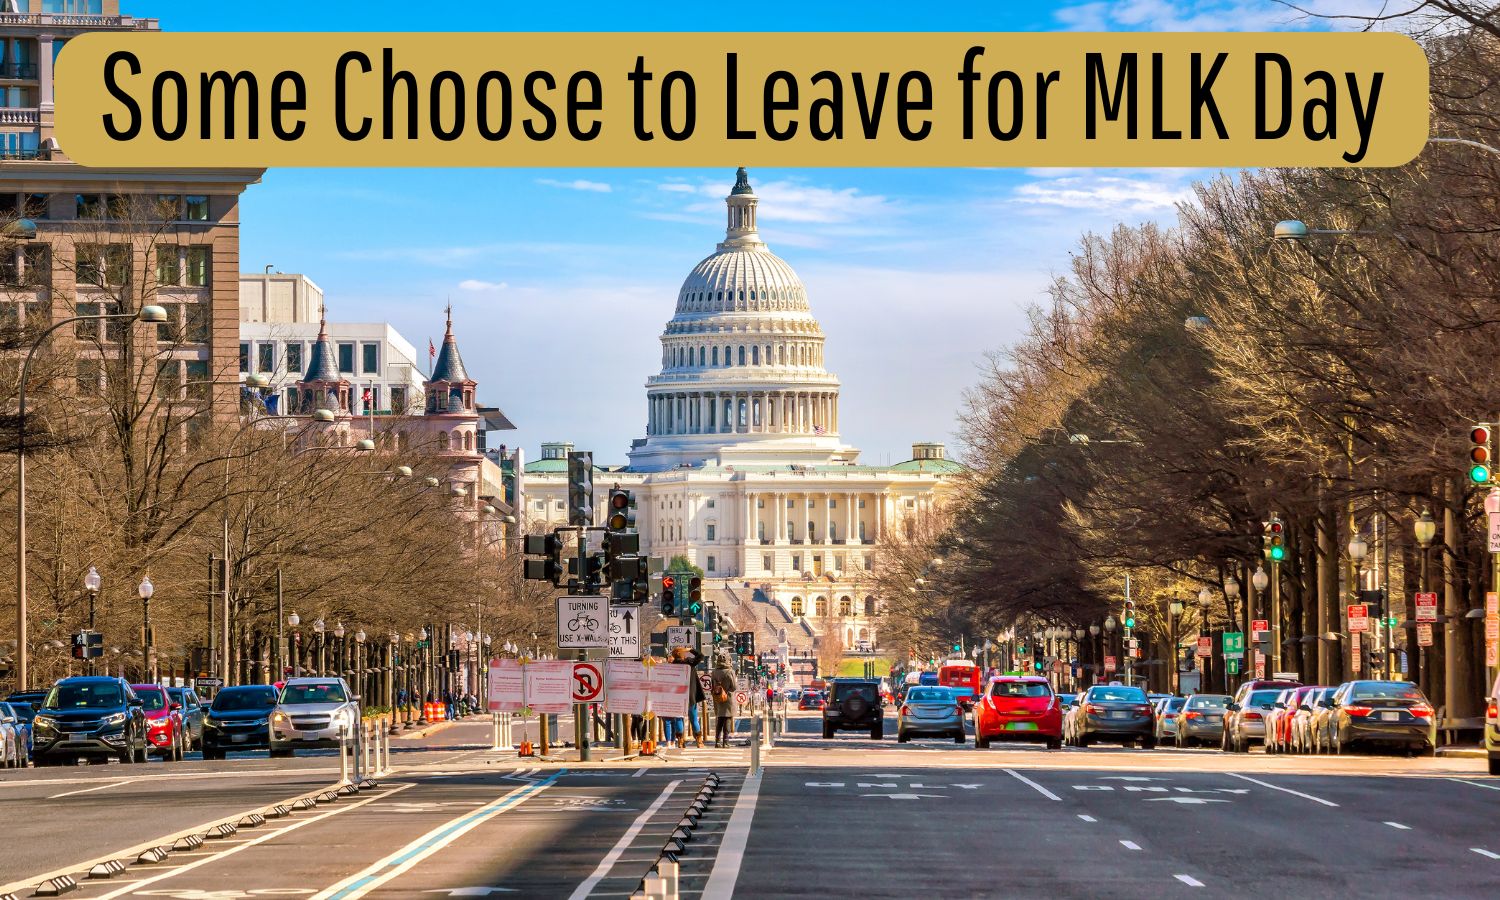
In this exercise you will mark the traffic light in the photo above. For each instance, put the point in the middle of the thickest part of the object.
(548, 546)
(1129, 614)
(622, 560)
(1275, 540)
(621, 510)
(668, 595)
(1036, 657)
(744, 643)
(1479, 454)
(580, 488)
(695, 597)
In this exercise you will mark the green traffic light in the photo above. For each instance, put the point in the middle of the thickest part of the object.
(1277, 554)
(1479, 474)
(1130, 623)
(1038, 665)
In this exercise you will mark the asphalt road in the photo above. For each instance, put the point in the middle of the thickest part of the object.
(842, 817)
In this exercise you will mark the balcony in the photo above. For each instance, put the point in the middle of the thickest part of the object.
(80, 21)
(20, 116)
(18, 70)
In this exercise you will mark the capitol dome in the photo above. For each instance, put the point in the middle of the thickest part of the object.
(742, 376)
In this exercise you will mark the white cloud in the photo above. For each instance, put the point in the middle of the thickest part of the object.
(577, 184)
(482, 287)
(1152, 193)
(1220, 15)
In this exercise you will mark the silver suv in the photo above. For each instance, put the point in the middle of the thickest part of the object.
(313, 712)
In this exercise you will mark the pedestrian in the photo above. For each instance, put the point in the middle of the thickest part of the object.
(684, 656)
(723, 685)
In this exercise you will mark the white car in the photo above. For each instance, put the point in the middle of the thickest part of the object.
(13, 753)
(313, 712)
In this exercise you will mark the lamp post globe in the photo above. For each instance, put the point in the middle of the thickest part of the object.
(91, 581)
(1358, 548)
(1260, 580)
(1425, 529)
(146, 588)
(1175, 607)
(1109, 624)
(1232, 588)
(1094, 630)
(294, 620)
(1205, 597)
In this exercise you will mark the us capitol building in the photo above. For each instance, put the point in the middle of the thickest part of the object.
(741, 469)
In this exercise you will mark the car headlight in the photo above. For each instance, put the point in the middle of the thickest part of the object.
(43, 722)
(280, 718)
(210, 722)
(114, 719)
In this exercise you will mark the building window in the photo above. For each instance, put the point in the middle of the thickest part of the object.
(832, 503)
(710, 503)
(765, 561)
(846, 606)
(168, 265)
(292, 407)
(539, 505)
(372, 397)
(293, 358)
(244, 357)
(869, 607)
(797, 606)
(742, 356)
(820, 606)
(265, 357)
(710, 567)
(716, 356)
(869, 563)
(796, 562)
(789, 503)
(911, 503)
(197, 266)
(195, 208)
(199, 385)
(755, 356)
(346, 358)
(398, 400)
(711, 530)
(168, 206)
(838, 562)
(861, 503)
(88, 206)
(169, 379)
(371, 358)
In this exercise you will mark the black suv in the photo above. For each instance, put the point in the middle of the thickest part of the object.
(854, 704)
(89, 716)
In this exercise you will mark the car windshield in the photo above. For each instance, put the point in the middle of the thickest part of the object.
(1210, 702)
(152, 700)
(1262, 698)
(1019, 689)
(179, 694)
(1127, 694)
(24, 711)
(927, 695)
(232, 700)
(313, 693)
(85, 696)
(1387, 690)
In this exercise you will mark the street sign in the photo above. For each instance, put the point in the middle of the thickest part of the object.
(549, 686)
(741, 698)
(507, 688)
(1205, 646)
(588, 682)
(210, 682)
(1286, 676)
(582, 622)
(1232, 666)
(624, 632)
(1260, 664)
(679, 636)
(1424, 635)
(1494, 532)
(1109, 664)
(1234, 644)
(705, 681)
(1359, 618)
(1426, 604)
(1356, 654)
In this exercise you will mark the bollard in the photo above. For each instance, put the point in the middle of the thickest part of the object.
(755, 745)
(343, 757)
(668, 871)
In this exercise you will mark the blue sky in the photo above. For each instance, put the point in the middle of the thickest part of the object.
(914, 273)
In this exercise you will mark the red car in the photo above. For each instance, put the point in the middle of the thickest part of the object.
(164, 731)
(812, 700)
(1018, 708)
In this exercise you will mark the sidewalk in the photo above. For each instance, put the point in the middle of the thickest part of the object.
(1463, 751)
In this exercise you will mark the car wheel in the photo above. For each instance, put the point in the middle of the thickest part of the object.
(827, 732)
(901, 737)
(958, 738)
(1495, 765)
(877, 731)
(983, 743)
(1148, 745)
(1083, 741)
(1054, 744)
(127, 757)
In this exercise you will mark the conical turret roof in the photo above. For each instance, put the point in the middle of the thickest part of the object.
(450, 365)
(323, 365)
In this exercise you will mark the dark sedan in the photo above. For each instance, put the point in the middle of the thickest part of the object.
(1382, 713)
(92, 717)
(1116, 713)
(239, 719)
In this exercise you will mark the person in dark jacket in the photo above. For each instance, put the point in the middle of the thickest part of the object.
(684, 656)
(723, 685)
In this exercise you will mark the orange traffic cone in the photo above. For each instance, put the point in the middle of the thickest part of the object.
(526, 749)
(648, 748)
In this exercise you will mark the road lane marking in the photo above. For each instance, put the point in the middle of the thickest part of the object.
(1043, 791)
(1483, 852)
(1399, 826)
(1188, 880)
(601, 871)
(1087, 818)
(403, 860)
(1282, 789)
(170, 873)
(1130, 845)
(731, 855)
(1491, 787)
(95, 788)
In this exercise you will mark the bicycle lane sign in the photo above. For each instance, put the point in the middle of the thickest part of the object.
(582, 622)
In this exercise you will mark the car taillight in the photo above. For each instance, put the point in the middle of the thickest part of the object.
(1091, 709)
(1192, 715)
(1252, 715)
(1357, 710)
(960, 708)
(1143, 709)
(1493, 710)
(905, 710)
(1170, 715)
(1423, 711)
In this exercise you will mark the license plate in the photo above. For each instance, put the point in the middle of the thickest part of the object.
(1020, 726)
(1390, 717)
(238, 738)
(1214, 720)
(1119, 715)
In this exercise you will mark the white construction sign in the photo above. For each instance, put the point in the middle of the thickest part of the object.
(507, 686)
(669, 690)
(549, 686)
(626, 684)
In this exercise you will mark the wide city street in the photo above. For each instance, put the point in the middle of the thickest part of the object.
(822, 818)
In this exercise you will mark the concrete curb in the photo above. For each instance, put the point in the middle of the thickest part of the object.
(426, 730)
(1463, 752)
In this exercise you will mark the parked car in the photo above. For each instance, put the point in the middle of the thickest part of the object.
(239, 719)
(1018, 708)
(163, 720)
(1168, 713)
(854, 705)
(1292, 710)
(312, 712)
(1492, 727)
(1202, 719)
(15, 738)
(33, 697)
(1245, 715)
(812, 700)
(1271, 717)
(1382, 713)
(89, 716)
(1311, 722)
(193, 712)
(1115, 712)
(930, 711)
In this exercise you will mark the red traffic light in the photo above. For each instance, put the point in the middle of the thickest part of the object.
(619, 500)
(1479, 434)
(667, 581)
(1276, 527)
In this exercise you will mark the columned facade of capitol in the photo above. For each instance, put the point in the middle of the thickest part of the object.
(742, 469)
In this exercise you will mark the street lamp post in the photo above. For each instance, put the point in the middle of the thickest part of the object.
(1205, 601)
(318, 628)
(359, 662)
(148, 643)
(424, 648)
(91, 584)
(340, 661)
(149, 314)
(294, 620)
(1358, 550)
(1425, 530)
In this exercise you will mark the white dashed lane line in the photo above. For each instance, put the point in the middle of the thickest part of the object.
(1087, 818)
(1130, 845)
(1399, 826)
(1483, 852)
(1189, 880)
(1276, 787)
(1043, 791)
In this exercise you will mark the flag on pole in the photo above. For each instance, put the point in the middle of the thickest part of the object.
(817, 429)
(366, 395)
(431, 350)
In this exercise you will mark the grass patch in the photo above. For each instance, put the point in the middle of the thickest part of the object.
(855, 668)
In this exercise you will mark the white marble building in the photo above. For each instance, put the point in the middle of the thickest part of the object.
(742, 469)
